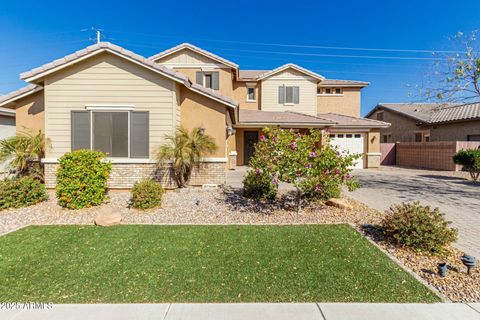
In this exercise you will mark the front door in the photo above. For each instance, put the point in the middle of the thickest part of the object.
(250, 139)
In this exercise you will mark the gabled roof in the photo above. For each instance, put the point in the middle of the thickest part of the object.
(18, 94)
(427, 113)
(344, 121)
(290, 66)
(342, 83)
(280, 118)
(195, 49)
(95, 49)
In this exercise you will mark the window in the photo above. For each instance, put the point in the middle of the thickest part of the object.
(338, 91)
(119, 134)
(418, 137)
(473, 137)
(426, 138)
(340, 135)
(349, 135)
(250, 94)
(387, 138)
(328, 91)
(110, 133)
(209, 80)
(319, 91)
(380, 115)
(358, 136)
(288, 95)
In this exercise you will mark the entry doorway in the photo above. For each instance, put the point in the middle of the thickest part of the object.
(250, 139)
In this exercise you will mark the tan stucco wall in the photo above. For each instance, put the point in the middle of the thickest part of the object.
(30, 113)
(107, 80)
(458, 131)
(199, 111)
(401, 128)
(240, 95)
(348, 103)
(225, 78)
(307, 86)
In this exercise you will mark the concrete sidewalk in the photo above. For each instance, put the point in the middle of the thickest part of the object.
(251, 311)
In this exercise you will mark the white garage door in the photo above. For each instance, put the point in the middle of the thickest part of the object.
(352, 143)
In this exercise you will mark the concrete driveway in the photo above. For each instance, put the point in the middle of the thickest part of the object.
(458, 198)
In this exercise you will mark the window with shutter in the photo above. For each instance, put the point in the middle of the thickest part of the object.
(281, 94)
(118, 134)
(80, 130)
(139, 140)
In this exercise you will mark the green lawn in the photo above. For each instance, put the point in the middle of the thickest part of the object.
(133, 263)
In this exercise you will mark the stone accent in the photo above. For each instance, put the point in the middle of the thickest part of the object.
(124, 175)
(232, 160)
(373, 160)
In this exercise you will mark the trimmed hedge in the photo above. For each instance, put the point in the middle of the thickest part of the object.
(82, 179)
(146, 194)
(419, 227)
(21, 192)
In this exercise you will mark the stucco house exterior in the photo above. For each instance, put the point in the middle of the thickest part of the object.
(426, 122)
(110, 99)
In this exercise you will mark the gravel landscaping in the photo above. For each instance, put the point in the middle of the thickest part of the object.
(228, 206)
(190, 206)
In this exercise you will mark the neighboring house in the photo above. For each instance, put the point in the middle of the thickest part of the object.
(110, 99)
(7, 129)
(7, 122)
(424, 122)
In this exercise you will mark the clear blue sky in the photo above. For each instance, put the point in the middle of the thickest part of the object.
(37, 32)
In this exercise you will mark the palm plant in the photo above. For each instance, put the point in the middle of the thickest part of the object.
(23, 149)
(185, 149)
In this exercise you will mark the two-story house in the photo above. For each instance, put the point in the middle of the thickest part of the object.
(113, 100)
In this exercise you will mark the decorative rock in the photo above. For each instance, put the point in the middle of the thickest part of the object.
(339, 203)
(108, 217)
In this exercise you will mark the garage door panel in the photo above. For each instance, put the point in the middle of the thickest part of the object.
(351, 143)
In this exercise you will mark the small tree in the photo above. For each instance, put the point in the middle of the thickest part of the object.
(317, 169)
(470, 160)
(186, 149)
(22, 150)
(456, 73)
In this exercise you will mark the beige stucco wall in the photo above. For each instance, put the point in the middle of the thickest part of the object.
(240, 95)
(289, 77)
(30, 113)
(199, 111)
(108, 80)
(458, 131)
(401, 128)
(348, 103)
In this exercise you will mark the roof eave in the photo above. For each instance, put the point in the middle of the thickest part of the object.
(23, 95)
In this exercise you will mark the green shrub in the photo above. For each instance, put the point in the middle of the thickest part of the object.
(470, 160)
(82, 179)
(419, 227)
(147, 194)
(21, 192)
(259, 185)
(321, 188)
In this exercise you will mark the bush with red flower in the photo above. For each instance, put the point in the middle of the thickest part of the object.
(317, 169)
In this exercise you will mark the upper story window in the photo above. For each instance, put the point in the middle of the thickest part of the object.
(380, 115)
(208, 79)
(251, 94)
(288, 95)
(336, 91)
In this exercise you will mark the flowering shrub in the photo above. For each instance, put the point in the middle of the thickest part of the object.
(260, 185)
(307, 160)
